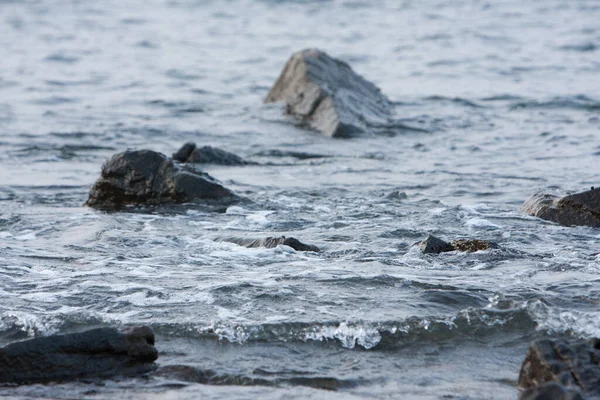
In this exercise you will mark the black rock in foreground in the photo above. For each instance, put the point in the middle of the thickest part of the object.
(434, 245)
(572, 366)
(190, 153)
(328, 95)
(271, 242)
(576, 209)
(145, 177)
(101, 353)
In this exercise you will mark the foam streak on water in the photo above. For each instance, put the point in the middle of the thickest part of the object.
(493, 100)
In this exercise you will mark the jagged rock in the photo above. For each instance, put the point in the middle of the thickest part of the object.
(102, 353)
(576, 209)
(574, 365)
(145, 177)
(328, 95)
(551, 391)
(271, 242)
(190, 153)
(434, 245)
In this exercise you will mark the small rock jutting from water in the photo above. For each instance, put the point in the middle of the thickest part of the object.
(271, 242)
(97, 353)
(190, 153)
(329, 96)
(561, 369)
(580, 209)
(146, 177)
(434, 245)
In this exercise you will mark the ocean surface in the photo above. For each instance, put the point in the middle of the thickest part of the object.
(493, 100)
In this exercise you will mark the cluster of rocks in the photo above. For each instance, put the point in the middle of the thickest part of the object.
(554, 369)
(328, 96)
(325, 94)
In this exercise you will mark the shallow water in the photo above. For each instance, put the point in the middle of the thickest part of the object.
(493, 101)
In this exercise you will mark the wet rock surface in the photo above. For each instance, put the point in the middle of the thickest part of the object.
(97, 353)
(434, 245)
(551, 391)
(329, 96)
(146, 177)
(190, 153)
(580, 209)
(271, 242)
(572, 366)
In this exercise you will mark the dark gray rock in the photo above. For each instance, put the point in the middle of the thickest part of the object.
(576, 209)
(97, 353)
(434, 245)
(271, 242)
(190, 153)
(329, 96)
(293, 154)
(573, 365)
(551, 391)
(145, 177)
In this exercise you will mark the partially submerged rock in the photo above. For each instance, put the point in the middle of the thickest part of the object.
(575, 209)
(101, 353)
(300, 155)
(434, 245)
(574, 367)
(328, 95)
(271, 242)
(145, 177)
(472, 245)
(190, 153)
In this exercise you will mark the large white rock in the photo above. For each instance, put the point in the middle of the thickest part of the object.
(329, 96)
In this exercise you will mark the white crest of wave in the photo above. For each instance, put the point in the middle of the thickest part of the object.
(555, 320)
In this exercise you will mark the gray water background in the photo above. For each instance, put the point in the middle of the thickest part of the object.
(505, 99)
